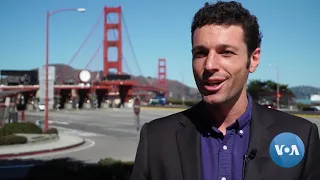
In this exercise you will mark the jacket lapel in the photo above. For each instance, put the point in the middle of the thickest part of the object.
(188, 140)
(260, 139)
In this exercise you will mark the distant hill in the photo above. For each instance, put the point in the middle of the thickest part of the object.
(303, 92)
(173, 86)
(69, 73)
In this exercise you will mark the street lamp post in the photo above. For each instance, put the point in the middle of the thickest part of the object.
(47, 59)
(182, 89)
(278, 85)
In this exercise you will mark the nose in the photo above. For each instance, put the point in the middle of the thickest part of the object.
(212, 62)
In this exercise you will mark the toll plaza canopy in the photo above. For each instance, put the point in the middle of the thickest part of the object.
(4, 94)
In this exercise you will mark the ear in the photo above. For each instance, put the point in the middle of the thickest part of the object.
(254, 60)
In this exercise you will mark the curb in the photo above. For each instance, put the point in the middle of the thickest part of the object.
(308, 115)
(163, 108)
(9, 155)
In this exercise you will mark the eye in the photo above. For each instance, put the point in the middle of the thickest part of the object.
(200, 54)
(228, 52)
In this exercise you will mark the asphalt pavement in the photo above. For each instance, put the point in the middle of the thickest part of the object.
(108, 132)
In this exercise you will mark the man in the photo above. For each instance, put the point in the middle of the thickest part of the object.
(210, 140)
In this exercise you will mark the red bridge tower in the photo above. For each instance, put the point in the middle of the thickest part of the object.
(162, 75)
(124, 87)
(108, 26)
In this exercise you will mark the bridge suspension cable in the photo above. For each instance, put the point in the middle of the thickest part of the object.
(132, 50)
(93, 57)
(83, 43)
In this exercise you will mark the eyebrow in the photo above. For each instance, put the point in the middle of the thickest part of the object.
(225, 46)
(199, 47)
(219, 46)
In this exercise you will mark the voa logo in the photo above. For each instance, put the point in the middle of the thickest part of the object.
(293, 150)
(287, 150)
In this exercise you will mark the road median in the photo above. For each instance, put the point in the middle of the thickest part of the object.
(64, 142)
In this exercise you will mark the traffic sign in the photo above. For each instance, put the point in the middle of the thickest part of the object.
(136, 106)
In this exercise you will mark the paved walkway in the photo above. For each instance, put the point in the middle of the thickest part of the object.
(64, 142)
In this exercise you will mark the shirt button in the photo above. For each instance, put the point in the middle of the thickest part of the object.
(225, 147)
(223, 178)
(241, 132)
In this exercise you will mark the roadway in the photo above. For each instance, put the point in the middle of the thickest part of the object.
(109, 132)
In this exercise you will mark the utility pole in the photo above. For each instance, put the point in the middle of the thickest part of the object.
(182, 88)
(278, 89)
(278, 85)
(49, 14)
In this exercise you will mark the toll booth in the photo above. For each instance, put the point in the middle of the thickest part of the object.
(10, 105)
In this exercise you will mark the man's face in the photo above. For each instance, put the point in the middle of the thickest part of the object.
(220, 62)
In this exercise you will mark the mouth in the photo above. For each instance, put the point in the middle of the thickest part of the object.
(214, 85)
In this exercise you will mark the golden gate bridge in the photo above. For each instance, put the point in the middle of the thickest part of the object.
(110, 84)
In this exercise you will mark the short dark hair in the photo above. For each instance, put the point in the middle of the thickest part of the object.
(229, 13)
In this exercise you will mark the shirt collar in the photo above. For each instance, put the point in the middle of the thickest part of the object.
(245, 118)
(238, 125)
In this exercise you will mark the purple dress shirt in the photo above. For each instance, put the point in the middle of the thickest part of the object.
(222, 156)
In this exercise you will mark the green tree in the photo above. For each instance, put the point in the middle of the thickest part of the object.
(256, 87)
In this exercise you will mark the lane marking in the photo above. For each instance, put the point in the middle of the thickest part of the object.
(59, 122)
(77, 132)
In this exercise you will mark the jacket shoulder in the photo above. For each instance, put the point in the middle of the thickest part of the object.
(289, 119)
(289, 122)
(165, 123)
(170, 124)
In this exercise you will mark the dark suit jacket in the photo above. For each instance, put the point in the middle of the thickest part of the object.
(169, 147)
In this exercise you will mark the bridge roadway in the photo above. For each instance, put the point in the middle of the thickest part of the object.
(109, 132)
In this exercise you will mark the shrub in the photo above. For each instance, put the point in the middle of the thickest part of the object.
(110, 161)
(69, 169)
(51, 131)
(2, 133)
(27, 127)
(119, 169)
(191, 103)
(179, 102)
(301, 106)
(12, 139)
(174, 101)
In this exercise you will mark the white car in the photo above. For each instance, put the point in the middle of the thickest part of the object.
(41, 107)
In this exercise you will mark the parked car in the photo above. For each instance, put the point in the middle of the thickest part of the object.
(270, 106)
(310, 109)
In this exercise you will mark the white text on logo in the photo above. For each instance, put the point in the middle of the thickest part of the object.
(293, 150)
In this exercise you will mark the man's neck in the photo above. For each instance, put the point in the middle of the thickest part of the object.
(228, 113)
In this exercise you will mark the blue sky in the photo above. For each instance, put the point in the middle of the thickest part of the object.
(158, 29)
